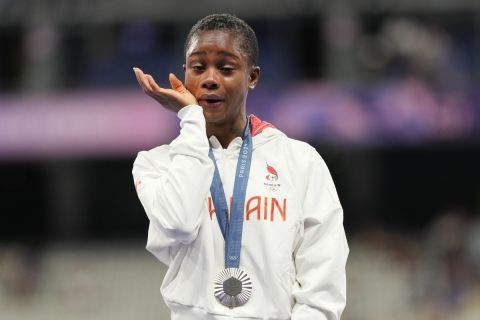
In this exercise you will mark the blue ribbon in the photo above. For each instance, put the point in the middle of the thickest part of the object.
(232, 230)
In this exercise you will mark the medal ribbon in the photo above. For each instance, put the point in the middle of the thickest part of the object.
(232, 230)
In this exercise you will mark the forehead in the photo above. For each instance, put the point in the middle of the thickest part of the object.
(216, 41)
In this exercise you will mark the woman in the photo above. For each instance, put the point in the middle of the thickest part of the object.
(247, 220)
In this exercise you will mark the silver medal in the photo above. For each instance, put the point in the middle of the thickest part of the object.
(232, 287)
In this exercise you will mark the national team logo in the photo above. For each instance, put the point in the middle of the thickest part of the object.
(272, 173)
(272, 178)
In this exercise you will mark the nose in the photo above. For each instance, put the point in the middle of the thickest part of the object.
(210, 81)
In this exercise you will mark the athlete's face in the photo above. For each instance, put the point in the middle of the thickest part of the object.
(219, 74)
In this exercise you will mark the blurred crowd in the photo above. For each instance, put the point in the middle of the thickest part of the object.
(432, 275)
(428, 275)
(354, 77)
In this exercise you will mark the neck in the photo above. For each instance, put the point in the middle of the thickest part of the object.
(226, 132)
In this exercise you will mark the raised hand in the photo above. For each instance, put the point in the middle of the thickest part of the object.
(172, 99)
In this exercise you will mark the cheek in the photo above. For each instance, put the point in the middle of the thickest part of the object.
(236, 84)
(239, 88)
(191, 83)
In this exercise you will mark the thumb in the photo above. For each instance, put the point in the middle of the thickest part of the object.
(176, 84)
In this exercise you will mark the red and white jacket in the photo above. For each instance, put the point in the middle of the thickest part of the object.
(294, 246)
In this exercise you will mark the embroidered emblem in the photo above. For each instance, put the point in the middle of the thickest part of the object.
(272, 173)
(271, 179)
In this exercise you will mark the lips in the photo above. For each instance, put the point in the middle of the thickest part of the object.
(210, 100)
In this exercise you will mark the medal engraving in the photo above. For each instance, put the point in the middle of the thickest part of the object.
(232, 287)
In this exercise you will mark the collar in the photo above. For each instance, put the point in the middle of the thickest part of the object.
(256, 127)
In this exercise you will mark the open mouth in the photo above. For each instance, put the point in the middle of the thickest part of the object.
(210, 101)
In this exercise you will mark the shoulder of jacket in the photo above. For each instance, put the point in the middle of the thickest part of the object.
(302, 148)
(301, 152)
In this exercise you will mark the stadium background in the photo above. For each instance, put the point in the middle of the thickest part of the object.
(387, 91)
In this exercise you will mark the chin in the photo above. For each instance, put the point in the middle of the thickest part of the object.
(213, 117)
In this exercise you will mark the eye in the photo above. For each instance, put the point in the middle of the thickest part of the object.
(227, 69)
(198, 67)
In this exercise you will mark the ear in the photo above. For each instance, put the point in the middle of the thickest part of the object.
(253, 77)
(184, 67)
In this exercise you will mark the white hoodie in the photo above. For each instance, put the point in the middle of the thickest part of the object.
(294, 246)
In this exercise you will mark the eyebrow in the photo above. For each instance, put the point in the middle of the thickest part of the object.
(220, 53)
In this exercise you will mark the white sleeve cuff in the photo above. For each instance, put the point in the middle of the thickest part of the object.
(190, 109)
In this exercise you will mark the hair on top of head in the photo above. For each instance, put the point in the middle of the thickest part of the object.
(229, 23)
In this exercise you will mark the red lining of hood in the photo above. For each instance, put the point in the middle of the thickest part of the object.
(258, 125)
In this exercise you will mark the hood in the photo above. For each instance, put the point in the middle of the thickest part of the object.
(263, 131)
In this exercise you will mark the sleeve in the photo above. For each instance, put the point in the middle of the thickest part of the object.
(321, 252)
(173, 183)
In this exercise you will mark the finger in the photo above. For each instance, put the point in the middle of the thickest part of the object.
(137, 75)
(142, 80)
(146, 83)
(153, 84)
(176, 84)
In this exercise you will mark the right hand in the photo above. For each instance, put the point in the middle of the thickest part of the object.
(172, 99)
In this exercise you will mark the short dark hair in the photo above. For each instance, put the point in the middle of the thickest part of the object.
(229, 23)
